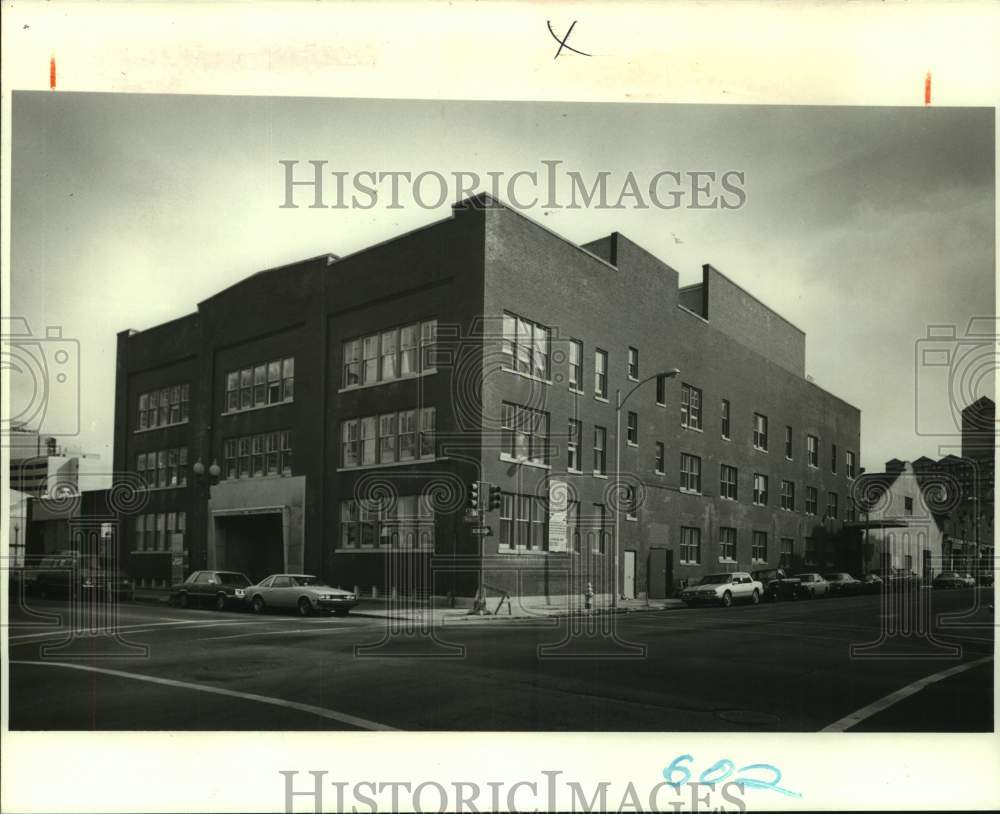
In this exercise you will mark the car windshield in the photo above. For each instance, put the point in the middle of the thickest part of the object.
(715, 579)
(315, 582)
(236, 580)
(806, 577)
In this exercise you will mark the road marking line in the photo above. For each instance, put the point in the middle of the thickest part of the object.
(875, 707)
(335, 629)
(322, 712)
(120, 628)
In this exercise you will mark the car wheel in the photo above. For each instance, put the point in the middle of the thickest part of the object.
(182, 600)
(258, 604)
(220, 602)
(755, 598)
(305, 606)
(689, 604)
(727, 599)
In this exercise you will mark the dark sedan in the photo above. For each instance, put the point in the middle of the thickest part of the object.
(219, 589)
(949, 579)
(843, 584)
(70, 573)
(778, 584)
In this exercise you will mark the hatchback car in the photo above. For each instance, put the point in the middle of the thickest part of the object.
(843, 583)
(723, 589)
(302, 592)
(219, 589)
(813, 585)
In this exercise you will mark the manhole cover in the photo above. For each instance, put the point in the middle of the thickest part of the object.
(748, 717)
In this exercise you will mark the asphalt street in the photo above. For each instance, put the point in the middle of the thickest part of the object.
(782, 667)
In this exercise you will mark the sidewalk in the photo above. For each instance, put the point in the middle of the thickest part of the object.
(404, 609)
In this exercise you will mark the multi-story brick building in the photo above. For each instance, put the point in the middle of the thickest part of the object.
(349, 402)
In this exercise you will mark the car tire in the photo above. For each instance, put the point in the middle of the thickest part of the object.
(727, 599)
(689, 604)
(305, 606)
(257, 604)
(755, 598)
(182, 600)
(220, 602)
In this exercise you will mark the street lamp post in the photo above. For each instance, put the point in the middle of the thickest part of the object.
(619, 403)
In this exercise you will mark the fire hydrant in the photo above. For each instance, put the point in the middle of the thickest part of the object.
(588, 597)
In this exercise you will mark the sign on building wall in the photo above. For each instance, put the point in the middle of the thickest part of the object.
(558, 504)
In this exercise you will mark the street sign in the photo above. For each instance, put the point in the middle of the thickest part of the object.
(482, 531)
(471, 516)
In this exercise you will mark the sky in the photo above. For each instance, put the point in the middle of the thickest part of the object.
(862, 226)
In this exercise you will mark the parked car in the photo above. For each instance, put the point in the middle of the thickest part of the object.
(303, 592)
(898, 578)
(70, 572)
(986, 579)
(970, 581)
(843, 583)
(813, 585)
(871, 583)
(949, 579)
(778, 584)
(724, 589)
(220, 589)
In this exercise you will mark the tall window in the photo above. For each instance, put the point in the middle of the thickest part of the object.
(523, 522)
(851, 510)
(690, 548)
(632, 429)
(832, 501)
(601, 373)
(786, 553)
(810, 556)
(812, 450)
(690, 473)
(812, 499)
(788, 443)
(163, 407)
(163, 469)
(759, 489)
(760, 431)
(573, 523)
(727, 543)
(725, 419)
(262, 385)
(661, 390)
(758, 547)
(690, 407)
(661, 464)
(384, 439)
(833, 458)
(525, 346)
(525, 432)
(633, 364)
(851, 466)
(728, 482)
(788, 495)
(269, 453)
(387, 355)
(573, 444)
(575, 365)
(600, 450)
(908, 506)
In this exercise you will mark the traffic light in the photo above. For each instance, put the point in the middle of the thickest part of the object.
(474, 496)
(496, 498)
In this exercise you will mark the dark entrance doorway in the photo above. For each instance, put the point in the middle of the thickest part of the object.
(661, 572)
(253, 544)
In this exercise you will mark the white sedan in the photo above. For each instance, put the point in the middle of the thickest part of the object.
(302, 592)
(724, 589)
